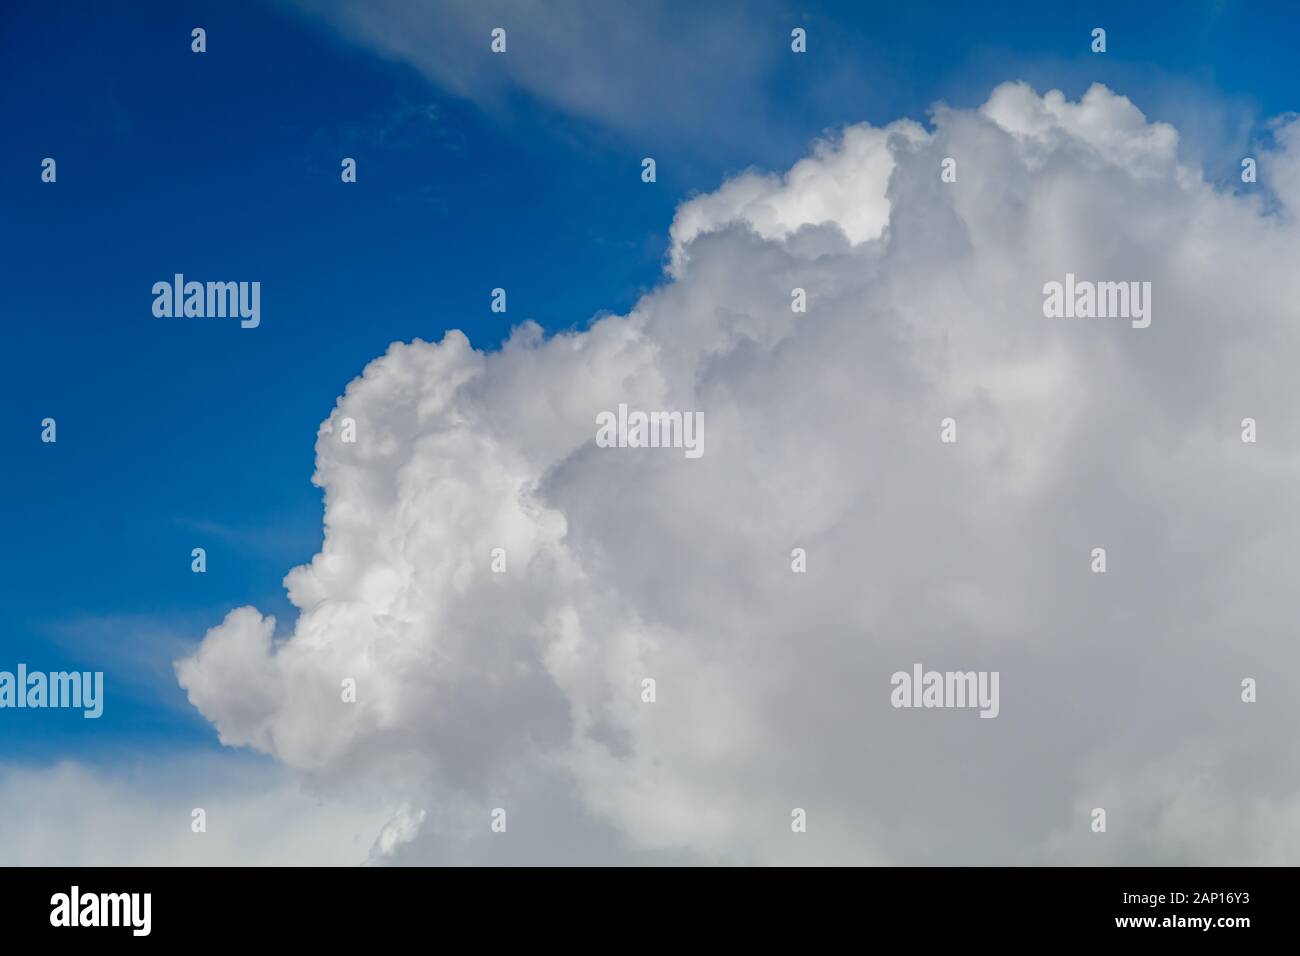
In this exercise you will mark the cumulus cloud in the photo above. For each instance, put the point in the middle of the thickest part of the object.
(522, 690)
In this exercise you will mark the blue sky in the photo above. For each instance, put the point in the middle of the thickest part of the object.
(181, 434)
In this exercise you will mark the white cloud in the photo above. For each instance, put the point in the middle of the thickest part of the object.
(842, 183)
(257, 814)
(522, 690)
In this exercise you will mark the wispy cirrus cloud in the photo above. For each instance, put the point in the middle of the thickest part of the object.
(637, 68)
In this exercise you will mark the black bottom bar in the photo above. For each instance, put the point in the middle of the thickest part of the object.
(368, 906)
